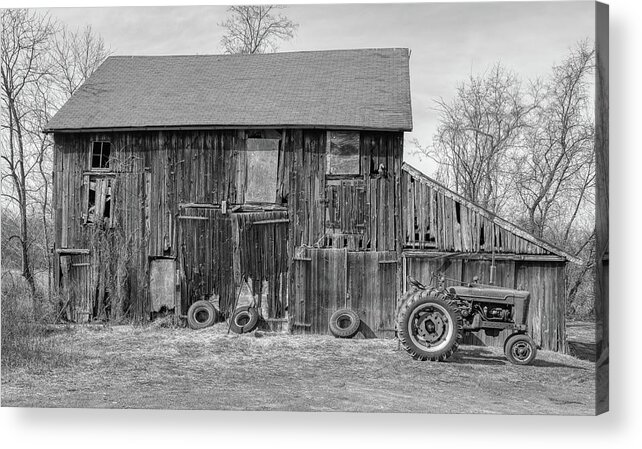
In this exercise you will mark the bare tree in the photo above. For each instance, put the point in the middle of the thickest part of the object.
(478, 129)
(255, 29)
(529, 154)
(23, 64)
(555, 173)
(42, 64)
(76, 55)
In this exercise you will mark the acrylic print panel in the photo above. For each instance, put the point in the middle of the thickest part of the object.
(392, 214)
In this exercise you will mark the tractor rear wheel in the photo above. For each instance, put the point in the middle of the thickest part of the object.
(429, 325)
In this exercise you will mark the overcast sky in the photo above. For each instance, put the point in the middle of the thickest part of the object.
(448, 41)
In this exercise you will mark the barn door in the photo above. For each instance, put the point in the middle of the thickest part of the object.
(329, 279)
(77, 304)
(205, 257)
(162, 285)
(261, 262)
(320, 287)
(372, 290)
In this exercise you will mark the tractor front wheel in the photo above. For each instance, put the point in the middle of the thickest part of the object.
(520, 349)
(429, 325)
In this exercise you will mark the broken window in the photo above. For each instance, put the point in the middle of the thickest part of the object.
(99, 190)
(100, 153)
(342, 153)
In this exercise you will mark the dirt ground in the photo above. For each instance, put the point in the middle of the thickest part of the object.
(170, 368)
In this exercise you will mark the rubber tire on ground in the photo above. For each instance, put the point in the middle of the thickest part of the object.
(193, 315)
(244, 313)
(423, 299)
(336, 323)
(526, 343)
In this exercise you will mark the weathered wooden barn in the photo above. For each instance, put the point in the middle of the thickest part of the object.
(217, 172)
(179, 178)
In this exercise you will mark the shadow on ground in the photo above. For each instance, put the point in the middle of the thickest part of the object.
(581, 339)
(482, 356)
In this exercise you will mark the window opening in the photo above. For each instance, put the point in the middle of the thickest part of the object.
(100, 154)
(98, 205)
(262, 166)
(342, 153)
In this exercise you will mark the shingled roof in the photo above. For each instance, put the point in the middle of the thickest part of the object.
(356, 89)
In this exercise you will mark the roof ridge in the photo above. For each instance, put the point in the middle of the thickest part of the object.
(259, 54)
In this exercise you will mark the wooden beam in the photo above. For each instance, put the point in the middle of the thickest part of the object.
(187, 217)
(302, 324)
(483, 256)
(199, 206)
(71, 251)
(280, 220)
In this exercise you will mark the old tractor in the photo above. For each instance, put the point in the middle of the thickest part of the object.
(431, 320)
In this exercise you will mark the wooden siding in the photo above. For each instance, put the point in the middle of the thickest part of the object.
(547, 283)
(330, 279)
(312, 191)
(545, 280)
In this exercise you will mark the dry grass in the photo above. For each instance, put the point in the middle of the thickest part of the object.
(27, 340)
(177, 368)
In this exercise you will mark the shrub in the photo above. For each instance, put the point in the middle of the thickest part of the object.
(27, 340)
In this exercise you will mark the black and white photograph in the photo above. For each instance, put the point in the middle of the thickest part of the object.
(369, 208)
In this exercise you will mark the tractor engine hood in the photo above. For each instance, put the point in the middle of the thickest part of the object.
(488, 293)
